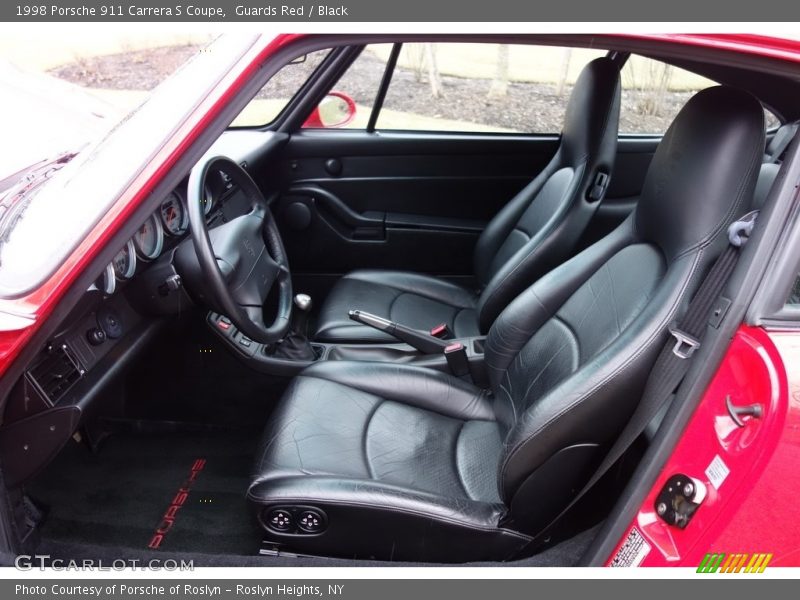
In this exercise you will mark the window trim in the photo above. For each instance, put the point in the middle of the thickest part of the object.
(386, 80)
(769, 307)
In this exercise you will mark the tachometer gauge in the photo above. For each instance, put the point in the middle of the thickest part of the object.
(173, 215)
(125, 262)
(149, 239)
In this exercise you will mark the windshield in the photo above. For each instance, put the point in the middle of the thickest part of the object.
(63, 211)
(59, 91)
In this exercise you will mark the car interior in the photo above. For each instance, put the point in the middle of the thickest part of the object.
(368, 346)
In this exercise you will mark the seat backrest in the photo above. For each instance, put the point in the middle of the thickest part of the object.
(539, 228)
(568, 358)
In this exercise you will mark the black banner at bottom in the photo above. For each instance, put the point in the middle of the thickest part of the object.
(385, 589)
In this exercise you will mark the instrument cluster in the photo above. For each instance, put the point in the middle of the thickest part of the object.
(161, 229)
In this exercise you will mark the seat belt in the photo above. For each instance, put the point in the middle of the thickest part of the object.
(674, 360)
(783, 137)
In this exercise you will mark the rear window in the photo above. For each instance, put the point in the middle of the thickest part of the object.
(654, 92)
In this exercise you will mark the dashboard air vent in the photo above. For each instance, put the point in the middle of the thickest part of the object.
(56, 373)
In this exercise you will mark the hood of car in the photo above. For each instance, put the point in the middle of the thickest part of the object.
(42, 119)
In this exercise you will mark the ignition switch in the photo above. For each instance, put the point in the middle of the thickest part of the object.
(679, 499)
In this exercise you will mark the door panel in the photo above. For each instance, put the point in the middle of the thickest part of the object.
(415, 201)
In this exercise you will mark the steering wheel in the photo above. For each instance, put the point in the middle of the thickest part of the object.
(243, 259)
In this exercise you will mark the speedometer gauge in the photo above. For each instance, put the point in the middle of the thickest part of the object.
(125, 262)
(149, 238)
(173, 215)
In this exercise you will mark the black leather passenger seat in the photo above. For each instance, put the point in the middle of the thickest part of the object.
(537, 230)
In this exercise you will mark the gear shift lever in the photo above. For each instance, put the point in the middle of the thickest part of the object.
(302, 304)
(295, 345)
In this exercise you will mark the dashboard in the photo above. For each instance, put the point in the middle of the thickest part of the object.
(117, 317)
(75, 373)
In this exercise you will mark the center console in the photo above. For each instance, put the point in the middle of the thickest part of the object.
(461, 357)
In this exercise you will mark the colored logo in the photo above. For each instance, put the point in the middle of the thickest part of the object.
(719, 562)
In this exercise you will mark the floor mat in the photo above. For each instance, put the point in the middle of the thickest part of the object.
(177, 492)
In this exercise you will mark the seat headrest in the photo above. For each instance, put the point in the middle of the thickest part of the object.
(704, 171)
(592, 111)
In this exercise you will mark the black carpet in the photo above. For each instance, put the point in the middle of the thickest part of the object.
(121, 495)
(565, 554)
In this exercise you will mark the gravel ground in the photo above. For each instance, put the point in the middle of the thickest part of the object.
(526, 106)
(135, 70)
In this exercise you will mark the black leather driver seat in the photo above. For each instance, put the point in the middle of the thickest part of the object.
(406, 463)
(534, 232)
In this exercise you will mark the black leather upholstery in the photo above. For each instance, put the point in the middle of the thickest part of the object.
(381, 448)
(414, 300)
(534, 232)
(413, 464)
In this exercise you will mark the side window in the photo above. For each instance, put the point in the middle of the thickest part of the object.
(352, 98)
(500, 88)
(275, 95)
(654, 92)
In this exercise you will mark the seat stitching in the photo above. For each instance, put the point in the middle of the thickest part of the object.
(392, 303)
(421, 294)
(370, 470)
(543, 368)
(509, 394)
(455, 461)
(613, 297)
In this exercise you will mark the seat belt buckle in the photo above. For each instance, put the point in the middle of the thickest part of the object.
(685, 344)
(457, 362)
(440, 331)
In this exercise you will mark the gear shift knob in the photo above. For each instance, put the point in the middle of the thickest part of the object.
(295, 346)
(303, 302)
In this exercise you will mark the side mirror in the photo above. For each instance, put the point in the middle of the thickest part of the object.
(336, 110)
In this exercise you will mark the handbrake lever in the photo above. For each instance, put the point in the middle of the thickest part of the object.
(427, 344)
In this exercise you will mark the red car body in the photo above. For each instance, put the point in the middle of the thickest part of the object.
(752, 511)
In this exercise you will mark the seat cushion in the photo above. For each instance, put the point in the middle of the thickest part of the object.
(417, 301)
(398, 474)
